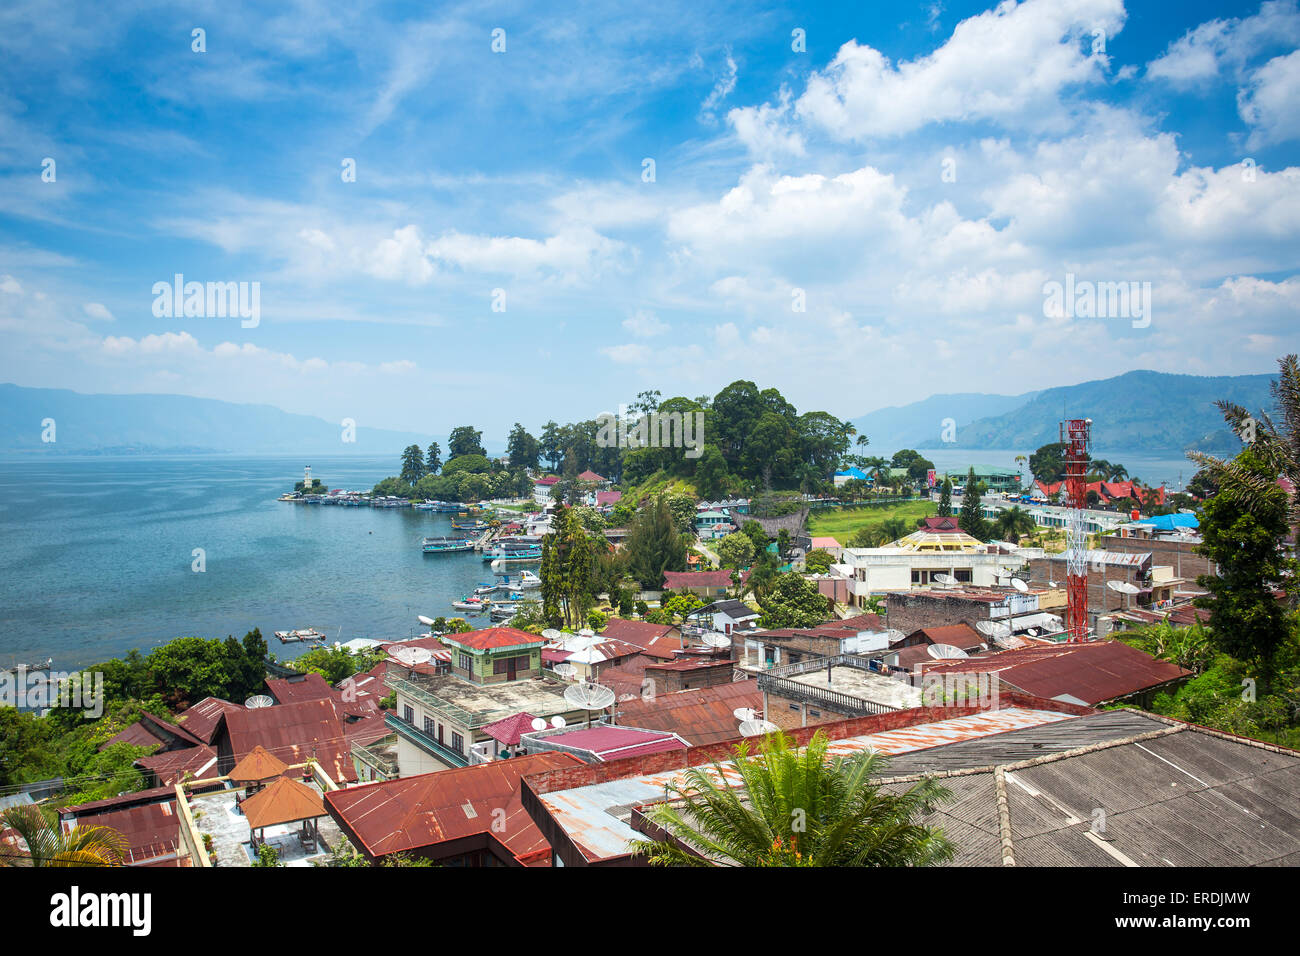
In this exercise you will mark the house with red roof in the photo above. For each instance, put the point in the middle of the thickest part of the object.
(705, 584)
(1111, 491)
(466, 816)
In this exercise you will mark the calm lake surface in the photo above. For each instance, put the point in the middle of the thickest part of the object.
(96, 555)
(96, 552)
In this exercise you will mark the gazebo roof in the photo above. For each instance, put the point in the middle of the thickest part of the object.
(509, 729)
(259, 765)
(285, 801)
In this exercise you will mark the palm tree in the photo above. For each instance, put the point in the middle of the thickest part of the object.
(1278, 447)
(1011, 524)
(795, 807)
(46, 844)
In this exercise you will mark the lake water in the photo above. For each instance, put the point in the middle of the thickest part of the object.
(96, 556)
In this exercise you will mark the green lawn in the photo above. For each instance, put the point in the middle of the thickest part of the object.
(841, 523)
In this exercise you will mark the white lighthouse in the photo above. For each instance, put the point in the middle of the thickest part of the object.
(306, 480)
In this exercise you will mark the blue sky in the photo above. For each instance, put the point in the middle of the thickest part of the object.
(776, 170)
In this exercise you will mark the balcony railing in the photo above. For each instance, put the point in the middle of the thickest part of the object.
(425, 742)
(382, 766)
(778, 681)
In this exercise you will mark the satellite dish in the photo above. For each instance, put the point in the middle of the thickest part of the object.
(1019, 585)
(894, 635)
(426, 621)
(539, 724)
(944, 579)
(1051, 584)
(994, 629)
(565, 670)
(716, 640)
(745, 713)
(558, 722)
(757, 728)
(1186, 511)
(586, 632)
(1123, 587)
(945, 652)
(551, 634)
(261, 700)
(410, 656)
(588, 696)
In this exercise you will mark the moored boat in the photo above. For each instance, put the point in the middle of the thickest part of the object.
(441, 545)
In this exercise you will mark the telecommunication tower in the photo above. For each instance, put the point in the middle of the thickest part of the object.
(1076, 435)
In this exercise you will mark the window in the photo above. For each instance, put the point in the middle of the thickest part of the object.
(428, 726)
(458, 743)
(465, 662)
(408, 714)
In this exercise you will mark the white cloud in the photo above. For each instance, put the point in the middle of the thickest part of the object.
(10, 285)
(98, 311)
(643, 324)
(1270, 102)
(721, 90)
(1010, 64)
(1203, 52)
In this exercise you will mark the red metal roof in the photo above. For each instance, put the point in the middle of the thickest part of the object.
(958, 635)
(171, 767)
(201, 719)
(151, 831)
(702, 716)
(491, 638)
(509, 729)
(1092, 672)
(424, 812)
(676, 580)
(618, 743)
(293, 732)
(590, 475)
(308, 686)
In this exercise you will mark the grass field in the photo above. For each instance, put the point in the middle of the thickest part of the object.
(841, 523)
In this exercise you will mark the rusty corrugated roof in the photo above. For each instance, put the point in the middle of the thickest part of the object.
(285, 801)
(295, 733)
(258, 766)
(701, 716)
(201, 719)
(417, 813)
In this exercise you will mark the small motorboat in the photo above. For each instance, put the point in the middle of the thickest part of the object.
(474, 605)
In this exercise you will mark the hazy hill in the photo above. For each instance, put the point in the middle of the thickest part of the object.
(1141, 411)
(908, 426)
(125, 424)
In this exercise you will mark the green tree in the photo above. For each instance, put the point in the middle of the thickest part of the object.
(1048, 463)
(412, 464)
(522, 448)
(1012, 524)
(818, 561)
(971, 519)
(1246, 620)
(654, 545)
(735, 550)
(945, 499)
(793, 601)
(433, 460)
(465, 440)
(795, 807)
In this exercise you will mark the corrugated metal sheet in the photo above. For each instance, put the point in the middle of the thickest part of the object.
(702, 716)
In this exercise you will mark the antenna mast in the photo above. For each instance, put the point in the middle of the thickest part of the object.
(1076, 435)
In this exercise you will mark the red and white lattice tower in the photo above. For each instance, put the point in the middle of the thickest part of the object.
(1076, 434)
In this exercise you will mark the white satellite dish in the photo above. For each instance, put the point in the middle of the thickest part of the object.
(539, 724)
(551, 634)
(1019, 585)
(745, 713)
(410, 656)
(894, 635)
(558, 722)
(716, 640)
(586, 632)
(426, 621)
(945, 652)
(994, 629)
(1123, 587)
(565, 670)
(589, 696)
(260, 700)
(944, 579)
(757, 728)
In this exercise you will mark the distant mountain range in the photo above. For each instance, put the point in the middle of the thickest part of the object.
(174, 424)
(1153, 412)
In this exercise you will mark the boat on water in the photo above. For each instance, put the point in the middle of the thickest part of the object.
(503, 611)
(442, 545)
(517, 553)
(302, 634)
(475, 605)
(528, 581)
(473, 527)
(484, 589)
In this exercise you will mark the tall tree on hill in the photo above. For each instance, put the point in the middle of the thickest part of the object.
(566, 575)
(654, 545)
(550, 445)
(1246, 620)
(1276, 448)
(433, 461)
(522, 448)
(1048, 463)
(945, 499)
(972, 518)
(465, 440)
(412, 464)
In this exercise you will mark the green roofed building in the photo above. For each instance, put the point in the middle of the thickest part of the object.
(997, 479)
